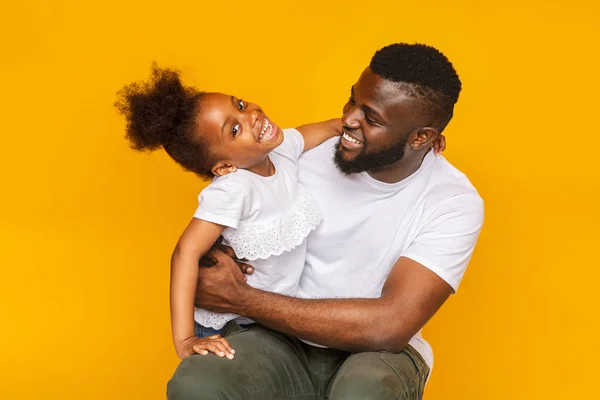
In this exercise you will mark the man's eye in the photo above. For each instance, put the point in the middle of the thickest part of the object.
(241, 105)
(370, 121)
(235, 129)
(351, 100)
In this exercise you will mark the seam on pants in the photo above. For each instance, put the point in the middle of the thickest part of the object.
(416, 367)
(400, 376)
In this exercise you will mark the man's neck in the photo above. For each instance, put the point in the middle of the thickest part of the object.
(399, 170)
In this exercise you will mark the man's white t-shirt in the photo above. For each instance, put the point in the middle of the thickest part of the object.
(432, 217)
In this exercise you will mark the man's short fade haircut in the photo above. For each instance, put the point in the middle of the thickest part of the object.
(426, 71)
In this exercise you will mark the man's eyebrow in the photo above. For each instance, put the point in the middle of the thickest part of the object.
(368, 110)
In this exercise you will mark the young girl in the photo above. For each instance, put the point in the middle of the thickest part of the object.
(254, 200)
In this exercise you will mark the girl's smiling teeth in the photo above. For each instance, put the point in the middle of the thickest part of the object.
(267, 130)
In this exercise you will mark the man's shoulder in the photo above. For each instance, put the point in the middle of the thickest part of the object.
(445, 188)
(448, 181)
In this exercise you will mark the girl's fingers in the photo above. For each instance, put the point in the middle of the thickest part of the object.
(219, 349)
(223, 351)
(199, 349)
(217, 345)
(217, 336)
(212, 348)
(227, 345)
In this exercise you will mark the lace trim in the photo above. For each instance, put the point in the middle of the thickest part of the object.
(284, 234)
(213, 320)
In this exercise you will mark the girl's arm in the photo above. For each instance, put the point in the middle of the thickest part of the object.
(317, 133)
(196, 240)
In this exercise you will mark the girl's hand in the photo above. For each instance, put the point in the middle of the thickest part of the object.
(439, 144)
(215, 344)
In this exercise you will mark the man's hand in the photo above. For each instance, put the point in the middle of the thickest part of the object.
(222, 287)
(207, 261)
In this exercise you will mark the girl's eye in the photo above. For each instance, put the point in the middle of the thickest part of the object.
(241, 105)
(235, 129)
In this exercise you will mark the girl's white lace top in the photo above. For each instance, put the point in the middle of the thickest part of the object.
(267, 220)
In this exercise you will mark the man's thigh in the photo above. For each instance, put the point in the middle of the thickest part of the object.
(267, 365)
(380, 376)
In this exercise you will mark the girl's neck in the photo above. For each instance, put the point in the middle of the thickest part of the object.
(264, 168)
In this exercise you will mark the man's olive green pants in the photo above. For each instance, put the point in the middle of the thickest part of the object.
(269, 365)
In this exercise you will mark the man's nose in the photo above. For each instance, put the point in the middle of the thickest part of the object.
(350, 118)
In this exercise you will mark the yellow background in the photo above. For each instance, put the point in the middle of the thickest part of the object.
(87, 226)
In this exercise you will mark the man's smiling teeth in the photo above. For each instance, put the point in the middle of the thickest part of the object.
(267, 130)
(351, 139)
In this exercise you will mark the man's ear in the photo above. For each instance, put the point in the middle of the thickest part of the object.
(424, 138)
(222, 168)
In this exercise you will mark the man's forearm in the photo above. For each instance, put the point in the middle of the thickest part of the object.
(347, 324)
(410, 296)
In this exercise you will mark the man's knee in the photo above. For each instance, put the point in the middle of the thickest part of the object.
(209, 376)
(198, 377)
(368, 385)
(264, 362)
(366, 376)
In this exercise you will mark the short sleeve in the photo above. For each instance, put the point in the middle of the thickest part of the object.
(292, 145)
(446, 243)
(221, 202)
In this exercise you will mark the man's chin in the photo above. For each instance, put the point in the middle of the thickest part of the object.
(346, 156)
(345, 163)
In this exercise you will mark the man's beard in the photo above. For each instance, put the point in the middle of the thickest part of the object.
(370, 161)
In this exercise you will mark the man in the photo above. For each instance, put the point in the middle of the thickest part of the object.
(399, 228)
